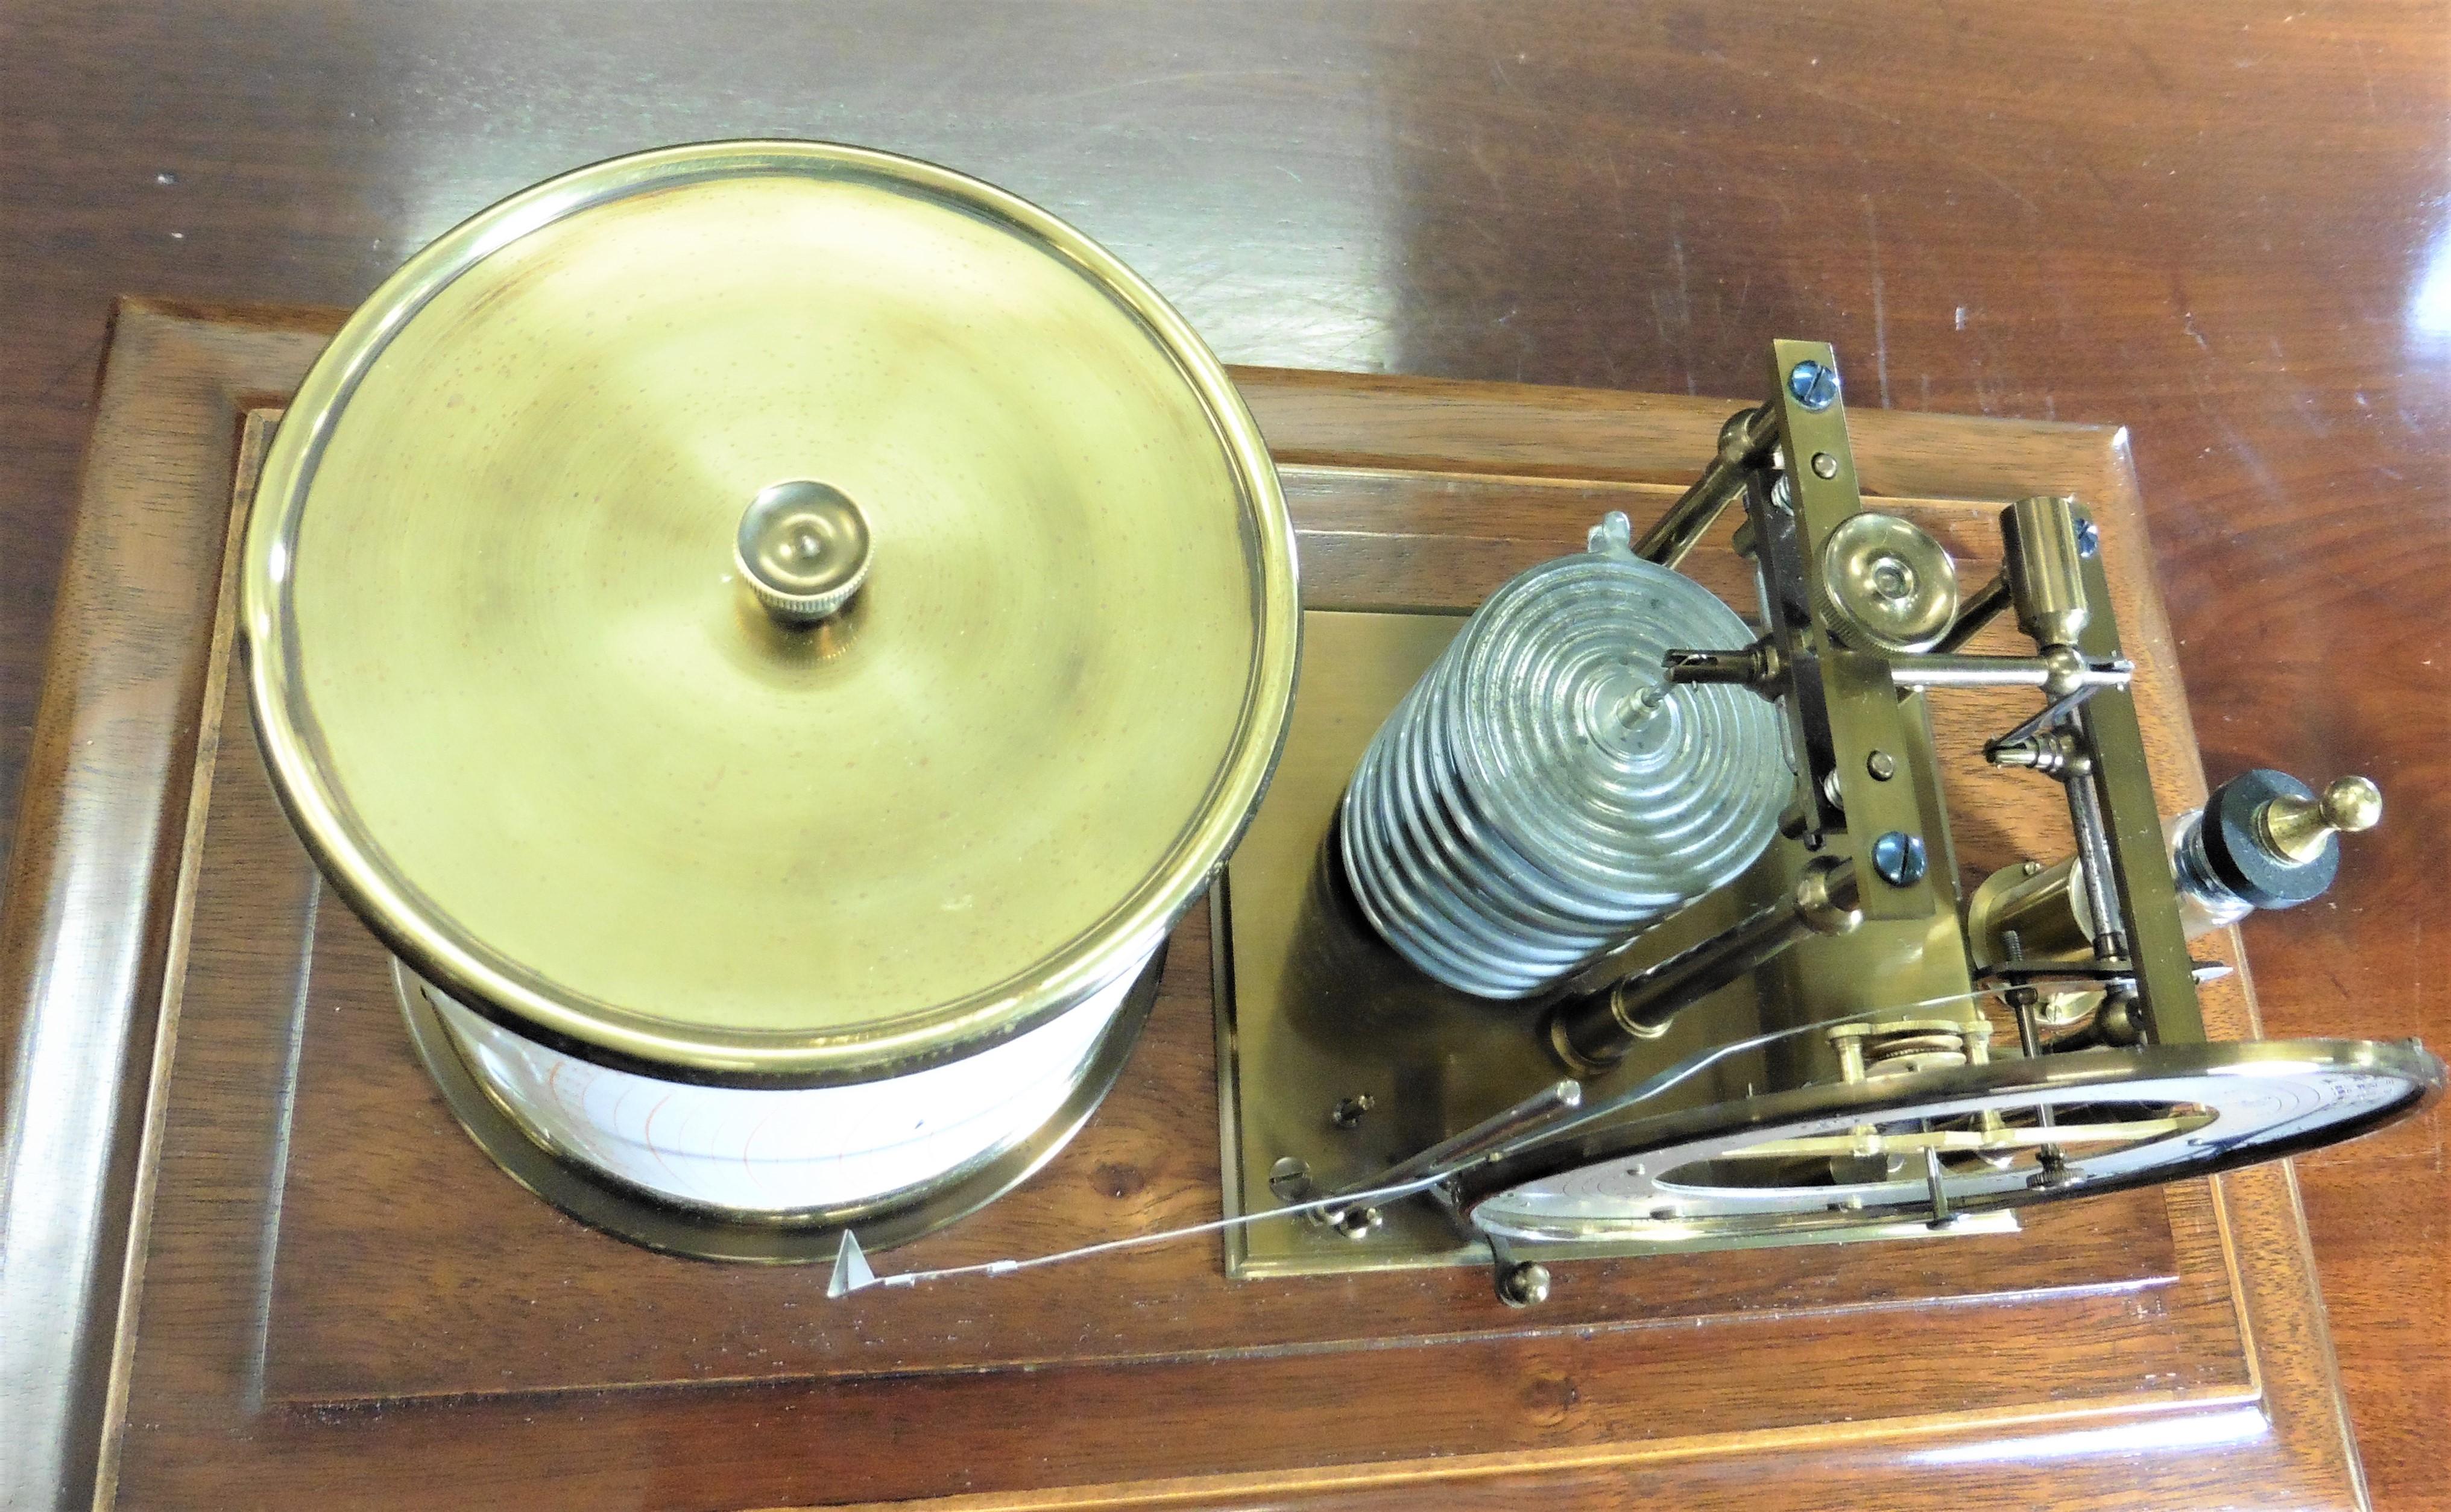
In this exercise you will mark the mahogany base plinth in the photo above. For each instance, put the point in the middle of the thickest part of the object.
(336, 1298)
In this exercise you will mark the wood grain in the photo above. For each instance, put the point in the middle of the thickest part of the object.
(88, 993)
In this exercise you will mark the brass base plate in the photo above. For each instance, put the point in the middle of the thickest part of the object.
(630, 1212)
(1313, 1009)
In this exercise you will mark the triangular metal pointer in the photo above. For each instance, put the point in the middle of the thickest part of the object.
(850, 1268)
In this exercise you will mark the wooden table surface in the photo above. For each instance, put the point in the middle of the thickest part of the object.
(2226, 227)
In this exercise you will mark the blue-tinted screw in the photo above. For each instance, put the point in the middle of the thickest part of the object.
(2088, 537)
(1898, 858)
(1813, 386)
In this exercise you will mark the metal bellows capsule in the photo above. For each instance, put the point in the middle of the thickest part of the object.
(1543, 793)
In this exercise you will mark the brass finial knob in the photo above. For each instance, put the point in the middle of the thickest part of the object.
(803, 549)
(2298, 827)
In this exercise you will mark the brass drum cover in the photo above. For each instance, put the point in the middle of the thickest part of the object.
(783, 897)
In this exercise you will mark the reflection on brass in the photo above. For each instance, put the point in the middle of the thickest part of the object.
(2045, 569)
(1675, 535)
(1886, 585)
(781, 643)
(543, 738)
(2035, 904)
(1523, 1286)
(2297, 829)
(1591, 1033)
(802, 550)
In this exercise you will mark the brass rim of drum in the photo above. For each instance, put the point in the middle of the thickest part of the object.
(2225, 1078)
(1194, 635)
(617, 1208)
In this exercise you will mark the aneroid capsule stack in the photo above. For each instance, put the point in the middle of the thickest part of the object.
(1543, 792)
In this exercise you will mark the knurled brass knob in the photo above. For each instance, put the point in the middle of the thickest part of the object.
(803, 549)
(1886, 585)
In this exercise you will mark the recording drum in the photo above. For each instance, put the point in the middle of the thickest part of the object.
(771, 636)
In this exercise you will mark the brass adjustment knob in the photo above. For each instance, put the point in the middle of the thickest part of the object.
(2298, 827)
(803, 549)
(1886, 585)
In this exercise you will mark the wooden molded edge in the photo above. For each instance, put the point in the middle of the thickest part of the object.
(242, 317)
(80, 940)
(1314, 418)
(220, 649)
(87, 926)
(1273, 1486)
